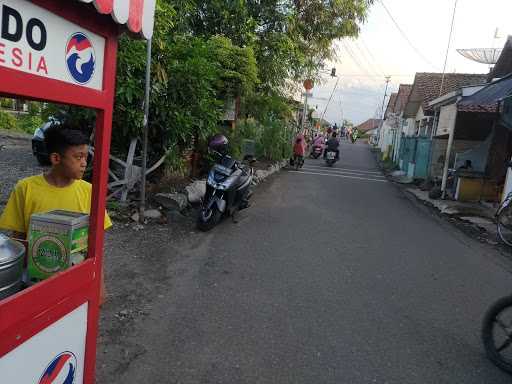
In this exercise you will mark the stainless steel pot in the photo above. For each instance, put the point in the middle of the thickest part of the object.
(11, 266)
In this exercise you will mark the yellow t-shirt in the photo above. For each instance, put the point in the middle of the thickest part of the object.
(35, 195)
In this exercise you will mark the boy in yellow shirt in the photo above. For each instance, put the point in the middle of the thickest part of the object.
(60, 188)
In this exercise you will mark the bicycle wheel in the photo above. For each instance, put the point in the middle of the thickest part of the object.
(497, 333)
(504, 224)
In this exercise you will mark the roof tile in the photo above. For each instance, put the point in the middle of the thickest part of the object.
(429, 84)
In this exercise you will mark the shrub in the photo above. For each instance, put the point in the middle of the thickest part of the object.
(7, 121)
(6, 103)
(29, 123)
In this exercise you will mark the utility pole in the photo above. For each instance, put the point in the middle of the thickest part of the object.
(304, 112)
(142, 206)
(388, 79)
(448, 48)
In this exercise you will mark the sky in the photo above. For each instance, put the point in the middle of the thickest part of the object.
(381, 50)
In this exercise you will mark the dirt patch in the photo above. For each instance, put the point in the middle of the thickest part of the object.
(136, 269)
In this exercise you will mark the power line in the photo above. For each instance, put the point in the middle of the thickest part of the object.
(404, 35)
(365, 46)
(330, 98)
(352, 55)
(356, 60)
(367, 63)
(448, 48)
(369, 60)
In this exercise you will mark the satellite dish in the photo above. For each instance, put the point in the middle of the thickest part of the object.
(482, 55)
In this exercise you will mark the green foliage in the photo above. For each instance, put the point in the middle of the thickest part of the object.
(6, 103)
(272, 137)
(29, 123)
(34, 108)
(206, 52)
(249, 129)
(265, 106)
(7, 121)
(276, 139)
(175, 162)
(192, 77)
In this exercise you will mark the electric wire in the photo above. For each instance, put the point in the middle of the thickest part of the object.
(404, 35)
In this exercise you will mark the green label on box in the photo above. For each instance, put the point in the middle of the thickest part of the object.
(49, 254)
(52, 250)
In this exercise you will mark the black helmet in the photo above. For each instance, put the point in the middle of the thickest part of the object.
(219, 143)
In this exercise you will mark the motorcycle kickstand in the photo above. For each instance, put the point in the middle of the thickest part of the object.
(233, 218)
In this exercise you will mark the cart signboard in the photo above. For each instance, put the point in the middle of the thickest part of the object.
(56, 354)
(41, 43)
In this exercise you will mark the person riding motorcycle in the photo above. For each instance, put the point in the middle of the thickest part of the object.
(318, 143)
(333, 145)
(355, 135)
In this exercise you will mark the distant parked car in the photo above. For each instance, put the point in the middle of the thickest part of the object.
(38, 146)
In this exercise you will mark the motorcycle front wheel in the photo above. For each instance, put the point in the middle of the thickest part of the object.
(504, 224)
(497, 333)
(208, 218)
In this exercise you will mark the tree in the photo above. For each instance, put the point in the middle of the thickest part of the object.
(291, 38)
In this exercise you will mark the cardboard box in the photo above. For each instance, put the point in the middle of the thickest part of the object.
(56, 241)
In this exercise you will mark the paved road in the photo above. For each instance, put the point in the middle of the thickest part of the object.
(333, 276)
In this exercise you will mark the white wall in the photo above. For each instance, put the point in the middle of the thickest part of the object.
(446, 122)
(410, 129)
(384, 135)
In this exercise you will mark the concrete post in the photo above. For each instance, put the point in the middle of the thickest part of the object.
(447, 156)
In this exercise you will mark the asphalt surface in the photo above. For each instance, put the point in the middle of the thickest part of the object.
(332, 276)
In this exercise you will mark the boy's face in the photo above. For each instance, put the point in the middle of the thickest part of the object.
(73, 162)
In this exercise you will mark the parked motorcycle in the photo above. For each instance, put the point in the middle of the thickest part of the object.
(330, 158)
(227, 187)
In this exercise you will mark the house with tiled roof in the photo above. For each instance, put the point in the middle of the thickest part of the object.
(430, 86)
(419, 116)
(469, 130)
(386, 132)
(369, 126)
(404, 90)
(392, 124)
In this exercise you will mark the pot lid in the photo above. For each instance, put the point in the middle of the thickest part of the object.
(10, 250)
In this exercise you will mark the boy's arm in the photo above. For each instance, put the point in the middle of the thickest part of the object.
(12, 218)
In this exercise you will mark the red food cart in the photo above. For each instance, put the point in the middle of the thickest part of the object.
(63, 51)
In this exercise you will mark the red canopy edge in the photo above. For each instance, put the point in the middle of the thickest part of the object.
(137, 15)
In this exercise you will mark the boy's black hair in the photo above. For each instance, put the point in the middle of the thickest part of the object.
(59, 137)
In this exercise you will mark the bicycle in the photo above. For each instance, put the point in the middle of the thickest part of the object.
(496, 333)
(504, 220)
(496, 330)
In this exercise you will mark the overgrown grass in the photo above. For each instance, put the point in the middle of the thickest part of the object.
(26, 123)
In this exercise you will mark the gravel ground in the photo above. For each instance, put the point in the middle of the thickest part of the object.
(16, 162)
